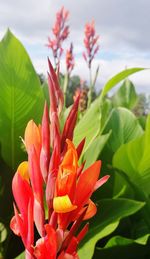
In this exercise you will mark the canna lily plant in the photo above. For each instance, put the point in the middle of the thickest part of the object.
(51, 190)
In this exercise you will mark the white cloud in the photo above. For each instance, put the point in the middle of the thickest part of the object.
(119, 22)
(123, 27)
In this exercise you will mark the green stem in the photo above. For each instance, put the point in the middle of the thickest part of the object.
(91, 88)
(66, 81)
(92, 84)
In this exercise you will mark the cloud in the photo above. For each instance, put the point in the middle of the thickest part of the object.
(123, 27)
(118, 22)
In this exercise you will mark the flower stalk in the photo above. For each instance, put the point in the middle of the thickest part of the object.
(69, 67)
(91, 49)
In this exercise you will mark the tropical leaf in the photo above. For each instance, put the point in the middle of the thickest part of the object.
(117, 79)
(126, 95)
(106, 221)
(126, 248)
(89, 125)
(106, 109)
(133, 158)
(90, 130)
(46, 92)
(21, 97)
(97, 145)
(124, 126)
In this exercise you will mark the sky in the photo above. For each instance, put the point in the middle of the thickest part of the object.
(123, 26)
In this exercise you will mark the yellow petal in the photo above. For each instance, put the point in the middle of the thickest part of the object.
(23, 170)
(62, 204)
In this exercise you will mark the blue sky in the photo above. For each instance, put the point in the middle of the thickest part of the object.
(123, 27)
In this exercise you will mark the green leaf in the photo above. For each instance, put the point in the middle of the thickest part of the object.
(106, 221)
(119, 240)
(89, 125)
(141, 225)
(46, 92)
(97, 145)
(126, 95)
(142, 240)
(106, 109)
(117, 79)
(133, 158)
(21, 97)
(142, 121)
(125, 247)
(87, 250)
(21, 256)
(124, 126)
(3, 232)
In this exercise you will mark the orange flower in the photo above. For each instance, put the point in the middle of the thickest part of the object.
(57, 178)
(70, 185)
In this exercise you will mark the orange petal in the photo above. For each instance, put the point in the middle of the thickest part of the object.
(91, 210)
(71, 157)
(62, 204)
(32, 136)
(86, 183)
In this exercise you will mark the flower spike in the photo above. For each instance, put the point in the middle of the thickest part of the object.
(60, 33)
(47, 188)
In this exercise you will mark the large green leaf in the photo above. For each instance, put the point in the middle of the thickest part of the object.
(118, 240)
(106, 109)
(126, 95)
(106, 221)
(141, 225)
(90, 130)
(124, 126)
(133, 158)
(126, 248)
(89, 125)
(46, 92)
(97, 145)
(118, 78)
(21, 97)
